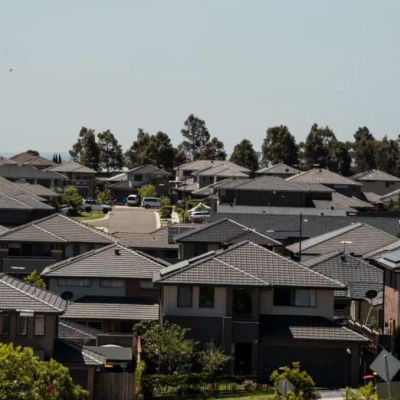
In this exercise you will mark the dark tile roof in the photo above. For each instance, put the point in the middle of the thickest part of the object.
(225, 231)
(112, 261)
(375, 175)
(381, 251)
(284, 226)
(223, 171)
(19, 295)
(71, 166)
(148, 169)
(358, 290)
(112, 352)
(342, 202)
(280, 169)
(199, 165)
(57, 228)
(323, 176)
(360, 239)
(37, 190)
(71, 353)
(245, 263)
(28, 172)
(112, 308)
(348, 270)
(77, 333)
(306, 328)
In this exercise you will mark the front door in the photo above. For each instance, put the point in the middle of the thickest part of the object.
(243, 358)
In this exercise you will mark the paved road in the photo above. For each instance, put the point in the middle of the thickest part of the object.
(128, 219)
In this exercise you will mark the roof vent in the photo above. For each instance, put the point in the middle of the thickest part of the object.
(343, 258)
(116, 252)
(352, 253)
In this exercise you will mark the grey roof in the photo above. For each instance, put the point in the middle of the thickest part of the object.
(347, 270)
(3, 229)
(279, 169)
(390, 196)
(76, 332)
(341, 202)
(378, 253)
(372, 197)
(112, 308)
(28, 172)
(148, 169)
(158, 239)
(281, 227)
(209, 190)
(37, 189)
(222, 170)
(112, 261)
(246, 264)
(57, 228)
(199, 165)
(323, 176)
(19, 295)
(6, 161)
(225, 231)
(306, 328)
(375, 175)
(360, 238)
(26, 158)
(71, 166)
(263, 183)
(112, 352)
(71, 353)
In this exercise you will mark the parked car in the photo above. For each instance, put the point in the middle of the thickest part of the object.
(133, 200)
(200, 216)
(92, 205)
(148, 202)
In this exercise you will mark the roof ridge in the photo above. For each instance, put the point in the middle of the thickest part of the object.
(30, 294)
(251, 230)
(15, 199)
(208, 225)
(299, 264)
(50, 233)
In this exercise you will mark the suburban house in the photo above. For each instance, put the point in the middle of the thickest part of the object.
(218, 173)
(19, 204)
(357, 239)
(26, 173)
(129, 182)
(109, 288)
(377, 181)
(282, 170)
(265, 310)
(43, 242)
(274, 195)
(286, 228)
(6, 161)
(191, 168)
(44, 193)
(29, 315)
(218, 235)
(360, 277)
(26, 158)
(78, 175)
(339, 183)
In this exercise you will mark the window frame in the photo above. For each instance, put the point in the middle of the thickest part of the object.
(179, 297)
(293, 297)
(71, 282)
(112, 283)
(202, 304)
(6, 316)
(19, 318)
(36, 316)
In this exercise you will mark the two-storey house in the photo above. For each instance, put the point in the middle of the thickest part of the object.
(265, 310)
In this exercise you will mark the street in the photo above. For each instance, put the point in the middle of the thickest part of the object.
(128, 219)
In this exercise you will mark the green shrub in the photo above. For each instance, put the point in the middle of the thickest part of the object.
(139, 372)
(366, 392)
(212, 359)
(166, 212)
(304, 384)
(147, 190)
(165, 201)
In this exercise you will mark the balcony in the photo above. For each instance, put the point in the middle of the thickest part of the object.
(25, 265)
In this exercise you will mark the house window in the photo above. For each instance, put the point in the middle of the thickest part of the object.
(74, 282)
(206, 297)
(22, 324)
(147, 285)
(242, 303)
(283, 297)
(137, 178)
(112, 283)
(4, 324)
(14, 250)
(294, 297)
(387, 184)
(184, 296)
(39, 324)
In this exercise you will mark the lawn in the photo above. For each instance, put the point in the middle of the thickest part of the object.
(89, 216)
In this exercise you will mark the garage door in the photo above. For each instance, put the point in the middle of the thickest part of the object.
(328, 367)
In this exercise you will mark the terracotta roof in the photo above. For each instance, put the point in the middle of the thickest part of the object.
(323, 176)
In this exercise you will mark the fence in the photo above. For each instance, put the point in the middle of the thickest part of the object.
(114, 386)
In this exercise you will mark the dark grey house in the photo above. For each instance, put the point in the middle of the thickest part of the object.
(265, 310)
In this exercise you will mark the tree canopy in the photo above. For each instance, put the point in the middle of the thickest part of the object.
(34, 279)
(245, 155)
(110, 151)
(86, 151)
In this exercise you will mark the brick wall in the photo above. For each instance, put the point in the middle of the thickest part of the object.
(391, 306)
(133, 289)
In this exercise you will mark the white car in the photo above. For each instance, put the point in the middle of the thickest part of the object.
(200, 216)
(148, 202)
(92, 205)
(133, 200)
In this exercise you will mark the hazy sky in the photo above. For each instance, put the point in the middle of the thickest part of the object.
(240, 65)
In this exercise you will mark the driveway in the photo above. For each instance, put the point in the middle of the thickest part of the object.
(128, 219)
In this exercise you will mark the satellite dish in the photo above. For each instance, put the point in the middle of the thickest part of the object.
(371, 294)
(67, 295)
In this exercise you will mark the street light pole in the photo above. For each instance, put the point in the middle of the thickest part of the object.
(300, 234)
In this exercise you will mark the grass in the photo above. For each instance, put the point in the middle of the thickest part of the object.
(89, 216)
